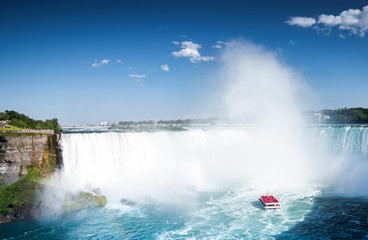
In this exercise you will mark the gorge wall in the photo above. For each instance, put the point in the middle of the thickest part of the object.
(26, 159)
(18, 153)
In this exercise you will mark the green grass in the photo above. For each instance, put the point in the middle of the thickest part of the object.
(16, 131)
(2, 134)
(22, 192)
(11, 128)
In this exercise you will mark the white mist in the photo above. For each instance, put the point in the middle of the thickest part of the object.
(260, 89)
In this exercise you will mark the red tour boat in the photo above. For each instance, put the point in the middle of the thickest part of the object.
(269, 202)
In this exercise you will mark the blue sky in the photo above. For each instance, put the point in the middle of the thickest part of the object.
(91, 61)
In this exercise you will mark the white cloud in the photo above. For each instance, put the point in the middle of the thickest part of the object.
(219, 44)
(183, 36)
(329, 20)
(96, 64)
(131, 68)
(105, 61)
(175, 43)
(355, 21)
(165, 67)
(119, 61)
(351, 16)
(301, 21)
(189, 50)
(137, 75)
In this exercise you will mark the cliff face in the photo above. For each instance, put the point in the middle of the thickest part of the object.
(25, 160)
(25, 163)
(18, 153)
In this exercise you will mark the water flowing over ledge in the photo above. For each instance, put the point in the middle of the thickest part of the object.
(165, 165)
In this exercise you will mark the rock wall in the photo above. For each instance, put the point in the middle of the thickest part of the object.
(25, 163)
(18, 153)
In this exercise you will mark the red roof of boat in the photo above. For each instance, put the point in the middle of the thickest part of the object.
(269, 199)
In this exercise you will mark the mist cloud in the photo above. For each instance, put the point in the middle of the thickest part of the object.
(258, 85)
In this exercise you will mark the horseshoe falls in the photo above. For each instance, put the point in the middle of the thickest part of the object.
(204, 183)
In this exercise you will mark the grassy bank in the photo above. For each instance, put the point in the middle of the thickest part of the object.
(20, 195)
(13, 134)
(10, 128)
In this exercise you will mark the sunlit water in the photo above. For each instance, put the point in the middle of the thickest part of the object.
(168, 201)
(233, 213)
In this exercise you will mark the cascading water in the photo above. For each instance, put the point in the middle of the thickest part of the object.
(159, 165)
(205, 183)
(341, 139)
(342, 154)
(164, 165)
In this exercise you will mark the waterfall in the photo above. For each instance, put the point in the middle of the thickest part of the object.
(161, 164)
(341, 139)
(171, 166)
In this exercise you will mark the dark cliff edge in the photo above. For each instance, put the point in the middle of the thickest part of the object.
(26, 161)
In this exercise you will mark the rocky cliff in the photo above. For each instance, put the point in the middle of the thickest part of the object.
(26, 161)
(18, 153)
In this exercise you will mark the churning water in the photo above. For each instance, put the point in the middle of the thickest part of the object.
(205, 184)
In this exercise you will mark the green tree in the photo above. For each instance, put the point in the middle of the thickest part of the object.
(20, 120)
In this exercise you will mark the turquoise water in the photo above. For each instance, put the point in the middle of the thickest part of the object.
(205, 184)
(230, 214)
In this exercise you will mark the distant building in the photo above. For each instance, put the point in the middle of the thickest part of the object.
(319, 117)
(104, 123)
(3, 122)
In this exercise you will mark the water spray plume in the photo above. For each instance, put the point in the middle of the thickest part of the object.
(261, 89)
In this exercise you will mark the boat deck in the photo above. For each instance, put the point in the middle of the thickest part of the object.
(269, 202)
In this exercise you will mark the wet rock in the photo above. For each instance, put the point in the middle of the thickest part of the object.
(82, 200)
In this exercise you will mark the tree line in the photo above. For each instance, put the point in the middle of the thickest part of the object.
(22, 121)
(347, 115)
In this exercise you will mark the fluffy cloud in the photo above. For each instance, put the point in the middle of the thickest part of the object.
(119, 61)
(301, 21)
(165, 67)
(137, 76)
(355, 21)
(219, 44)
(189, 50)
(98, 64)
